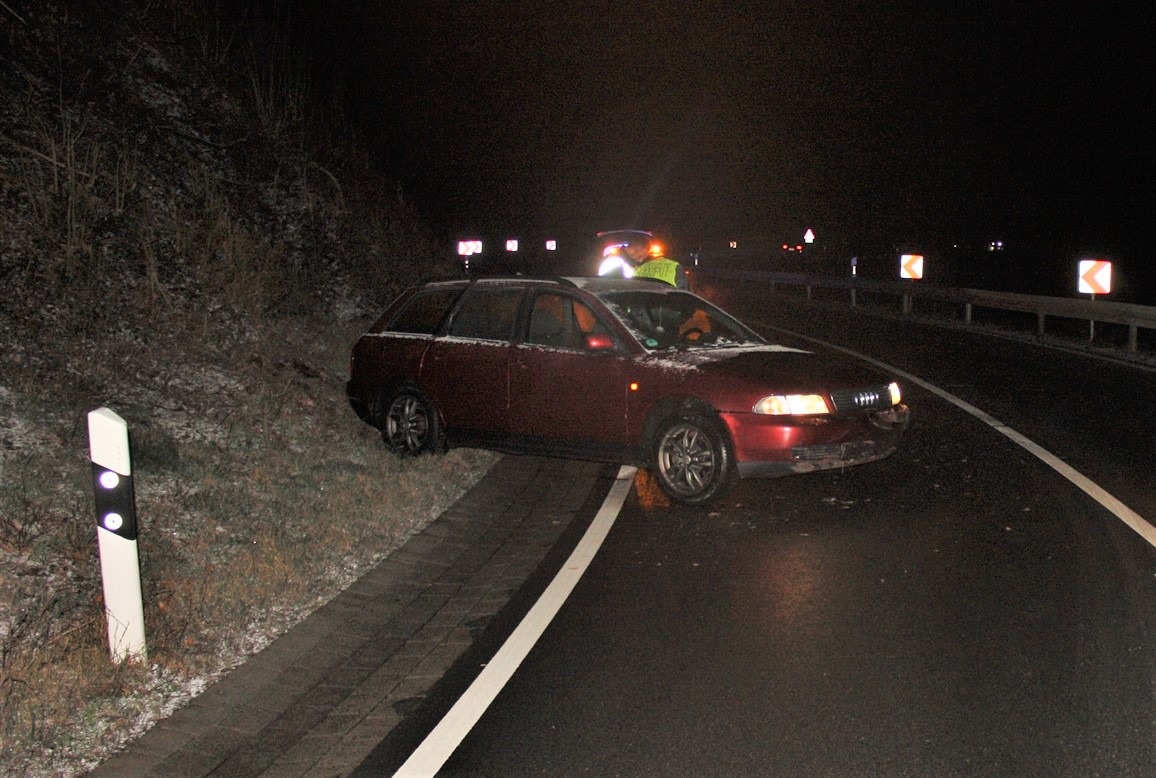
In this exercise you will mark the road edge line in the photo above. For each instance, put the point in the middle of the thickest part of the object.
(1109, 502)
(443, 740)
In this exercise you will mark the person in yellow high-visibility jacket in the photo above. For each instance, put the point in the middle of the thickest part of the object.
(664, 269)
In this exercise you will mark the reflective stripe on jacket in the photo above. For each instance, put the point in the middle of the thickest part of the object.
(661, 268)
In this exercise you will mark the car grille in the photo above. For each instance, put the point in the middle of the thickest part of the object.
(868, 398)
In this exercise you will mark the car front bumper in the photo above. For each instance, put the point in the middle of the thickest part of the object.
(766, 447)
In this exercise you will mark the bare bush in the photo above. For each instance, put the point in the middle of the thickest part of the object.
(172, 248)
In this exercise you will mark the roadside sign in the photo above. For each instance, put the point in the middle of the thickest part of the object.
(911, 266)
(1095, 276)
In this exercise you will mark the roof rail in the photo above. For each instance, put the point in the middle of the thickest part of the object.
(498, 277)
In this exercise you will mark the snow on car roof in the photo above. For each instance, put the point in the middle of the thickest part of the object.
(608, 284)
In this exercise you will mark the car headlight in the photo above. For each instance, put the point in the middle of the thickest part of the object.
(615, 264)
(794, 404)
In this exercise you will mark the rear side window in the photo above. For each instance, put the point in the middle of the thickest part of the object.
(557, 320)
(486, 314)
(424, 314)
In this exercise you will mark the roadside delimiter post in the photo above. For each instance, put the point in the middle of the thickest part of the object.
(116, 534)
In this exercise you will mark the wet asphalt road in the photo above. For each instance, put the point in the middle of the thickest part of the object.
(958, 609)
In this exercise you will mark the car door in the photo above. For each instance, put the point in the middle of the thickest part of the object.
(466, 371)
(568, 383)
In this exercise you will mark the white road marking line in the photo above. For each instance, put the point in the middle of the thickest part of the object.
(444, 739)
(1121, 511)
(433, 752)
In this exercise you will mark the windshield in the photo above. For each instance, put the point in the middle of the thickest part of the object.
(669, 320)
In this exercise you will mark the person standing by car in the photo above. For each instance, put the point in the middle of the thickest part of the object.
(655, 265)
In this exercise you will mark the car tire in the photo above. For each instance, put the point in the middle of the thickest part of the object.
(410, 424)
(693, 459)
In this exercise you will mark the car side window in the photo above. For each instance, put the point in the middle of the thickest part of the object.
(425, 312)
(558, 320)
(486, 314)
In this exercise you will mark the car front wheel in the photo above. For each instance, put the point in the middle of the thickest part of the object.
(410, 424)
(693, 459)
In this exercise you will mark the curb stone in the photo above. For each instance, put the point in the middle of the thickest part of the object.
(318, 699)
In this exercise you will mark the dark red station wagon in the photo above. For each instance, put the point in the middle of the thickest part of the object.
(626, 371)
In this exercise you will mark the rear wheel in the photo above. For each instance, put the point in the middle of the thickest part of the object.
(410, 424)
(693, 459)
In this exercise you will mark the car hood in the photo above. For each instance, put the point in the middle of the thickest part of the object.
(773, 367)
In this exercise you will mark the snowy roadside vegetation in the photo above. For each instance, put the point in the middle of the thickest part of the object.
(190, 238)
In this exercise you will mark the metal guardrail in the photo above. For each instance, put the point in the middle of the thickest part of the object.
(1134, 317)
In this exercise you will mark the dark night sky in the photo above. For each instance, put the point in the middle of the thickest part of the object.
(874, 120)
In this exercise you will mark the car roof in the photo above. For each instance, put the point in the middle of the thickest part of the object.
(594, 284)
(609, 284)
(627, 233)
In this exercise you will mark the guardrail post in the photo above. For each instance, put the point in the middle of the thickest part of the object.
(1132, 340)
(906, 304)
(967, 313)
(809, 288)
(1040, 324)
(852, 297)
